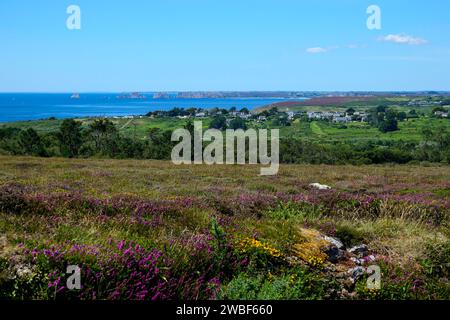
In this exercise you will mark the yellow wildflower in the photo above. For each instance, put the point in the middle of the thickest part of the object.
(247, 243)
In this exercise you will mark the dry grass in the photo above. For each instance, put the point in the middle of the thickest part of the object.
(162, 179)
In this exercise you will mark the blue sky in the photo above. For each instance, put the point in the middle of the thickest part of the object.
(159, 45)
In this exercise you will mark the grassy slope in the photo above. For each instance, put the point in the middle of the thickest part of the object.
(409, 130)
(161, 179)
(361, 104)
(392, 235)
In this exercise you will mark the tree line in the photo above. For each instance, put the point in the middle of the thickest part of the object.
(101, 138)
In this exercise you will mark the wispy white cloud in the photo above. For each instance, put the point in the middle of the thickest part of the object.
(316, 50)
(398, 58)
(403, 39)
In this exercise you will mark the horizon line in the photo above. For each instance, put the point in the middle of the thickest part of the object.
(224, 91)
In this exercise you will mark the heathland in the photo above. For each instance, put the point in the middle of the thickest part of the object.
(142, 229)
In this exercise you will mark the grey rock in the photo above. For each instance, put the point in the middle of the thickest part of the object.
(357, 261)
(334, 241)
(356, 273)
(335, 248)
(360, 251)
(334, 254)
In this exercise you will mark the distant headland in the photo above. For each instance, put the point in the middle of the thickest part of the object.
(285, 94)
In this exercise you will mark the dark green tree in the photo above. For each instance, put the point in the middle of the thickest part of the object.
(70, 138)
(154, 134)
(191, 111)
(438, 109)
(105, 136)
(282, 121)
(350, 111)
(219, 122)
(381, 109)
(30, 143)
(238, 123)
(390, 122)
(401, 116)
(189, 126)
(273, 111)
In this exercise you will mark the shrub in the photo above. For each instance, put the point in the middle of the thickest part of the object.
(120, 271)
(292, 210)
(436, 263)
(348, 235)
(19, 282)
(17, 199)
(261, 255)
(297, 284)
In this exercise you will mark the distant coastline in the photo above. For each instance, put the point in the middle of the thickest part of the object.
(31, 106)
(35, 106)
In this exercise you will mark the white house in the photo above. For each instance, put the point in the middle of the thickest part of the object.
(200, 115)
(291, 115)
(441, 114)
(243, 115)
(342, 119)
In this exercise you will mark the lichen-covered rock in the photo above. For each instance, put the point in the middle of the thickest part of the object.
(360, 251)
(334, 241)
(315, 246)
(356, 273)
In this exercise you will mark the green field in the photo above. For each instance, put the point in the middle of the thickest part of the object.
(137, 127)
(316, 129)
(410, 130)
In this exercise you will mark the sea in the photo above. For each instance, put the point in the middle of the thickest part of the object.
(31, 106)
